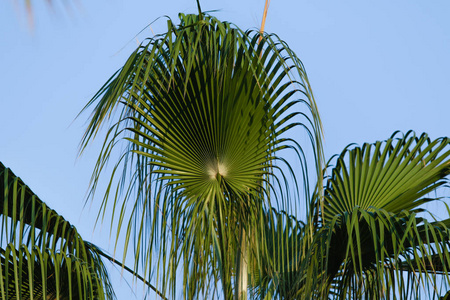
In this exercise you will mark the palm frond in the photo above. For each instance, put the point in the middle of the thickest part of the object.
(277, 272)
(42, 255)
(394, 175)
(204, 110)
(371, 233)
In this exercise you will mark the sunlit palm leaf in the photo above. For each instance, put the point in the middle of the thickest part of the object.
(369, 234)
(204, 110)
(42, 255)
(394, 175)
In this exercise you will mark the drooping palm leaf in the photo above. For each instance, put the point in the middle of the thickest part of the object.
(204, 110)
(277, 274)
(372, 241)
(42, 255)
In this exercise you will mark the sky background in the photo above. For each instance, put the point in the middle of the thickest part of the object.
(375, 67)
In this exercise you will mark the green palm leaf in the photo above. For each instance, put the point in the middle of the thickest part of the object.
(43, 256)
(394, 175)
(204, 110)
(277, 273)
(372, 241)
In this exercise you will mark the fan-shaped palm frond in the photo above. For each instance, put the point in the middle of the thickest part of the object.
(372, 234)
(394, 175)
(369, 238)
(43, 256)
(204, 110)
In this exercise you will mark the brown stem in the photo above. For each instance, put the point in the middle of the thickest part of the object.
(263, 23)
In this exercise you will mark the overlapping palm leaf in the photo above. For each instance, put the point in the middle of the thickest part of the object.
(204, 110)
(370, 237)
(277, 274)
(42, 255)
(371, 229)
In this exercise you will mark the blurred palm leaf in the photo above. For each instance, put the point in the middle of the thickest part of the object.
(204, 110)
(43, 256)
(30, 9)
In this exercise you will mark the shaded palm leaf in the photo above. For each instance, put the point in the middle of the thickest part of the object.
(43, 256)
(277, 273)
(372, 241)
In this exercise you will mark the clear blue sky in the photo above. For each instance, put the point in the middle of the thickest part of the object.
(375, 67)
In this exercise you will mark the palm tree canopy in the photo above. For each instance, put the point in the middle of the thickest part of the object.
(204, 110)
(42, 255)
(371, 230)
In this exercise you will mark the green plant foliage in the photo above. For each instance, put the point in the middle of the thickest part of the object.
(42, 255)
(203, 111)
(197, 120)
(369, 237)
(371, 210)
